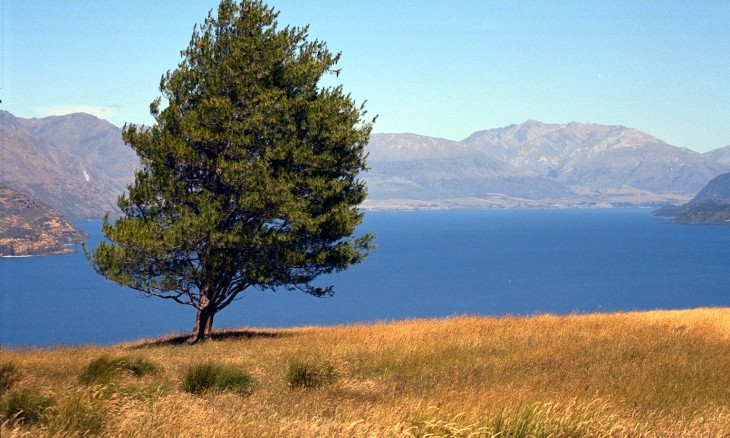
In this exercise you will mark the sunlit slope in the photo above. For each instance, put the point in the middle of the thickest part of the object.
(660, 373)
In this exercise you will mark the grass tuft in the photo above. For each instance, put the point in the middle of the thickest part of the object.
(200, 378)
(235, 380)
(309, 374)
(25, 406)
(522, 425)
(8, 375)
(211, 376)
(103, 369)
(77, 415)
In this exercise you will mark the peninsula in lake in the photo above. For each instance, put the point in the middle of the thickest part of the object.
(30, 227)
(710, 206)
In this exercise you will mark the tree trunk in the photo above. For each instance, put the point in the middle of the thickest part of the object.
(203, 325)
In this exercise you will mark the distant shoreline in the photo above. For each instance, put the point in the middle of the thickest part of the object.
(69, 249)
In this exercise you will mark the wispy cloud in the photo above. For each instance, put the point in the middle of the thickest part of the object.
(101, 111)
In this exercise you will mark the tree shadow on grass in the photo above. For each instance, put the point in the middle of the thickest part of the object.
(218, 335)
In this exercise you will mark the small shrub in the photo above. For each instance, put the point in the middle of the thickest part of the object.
(25, 406)
(104, 368)
(8, 375)
(211, 376)
(300, 374)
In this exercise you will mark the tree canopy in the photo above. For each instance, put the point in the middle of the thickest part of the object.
(249, 175)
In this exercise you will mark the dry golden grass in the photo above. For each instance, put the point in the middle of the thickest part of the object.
(651, 374)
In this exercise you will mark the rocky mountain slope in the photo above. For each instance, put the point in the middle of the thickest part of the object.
(76, 163)
(536, 164)
(30, 227)
(710, 206)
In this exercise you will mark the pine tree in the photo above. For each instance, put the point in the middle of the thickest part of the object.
(249, 176)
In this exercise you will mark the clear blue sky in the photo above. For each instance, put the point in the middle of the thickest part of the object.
(432, 67)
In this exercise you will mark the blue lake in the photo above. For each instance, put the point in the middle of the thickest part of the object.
(427, 264)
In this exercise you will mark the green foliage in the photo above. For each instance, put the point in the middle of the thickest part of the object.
(309, 374)
(25, 406)
(250, 174)
(104, 368)
(210, 376)
(8, 375)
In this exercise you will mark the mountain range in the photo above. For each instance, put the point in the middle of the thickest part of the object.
(537, 164)
(78, 165)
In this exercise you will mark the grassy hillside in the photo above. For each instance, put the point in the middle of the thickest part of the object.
(663, 373)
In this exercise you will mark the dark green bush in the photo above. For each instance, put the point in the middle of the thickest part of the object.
(211, 377)
(302, 374)
(104, 368)
(25, 406)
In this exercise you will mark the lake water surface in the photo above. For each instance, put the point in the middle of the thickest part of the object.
(427, 264)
